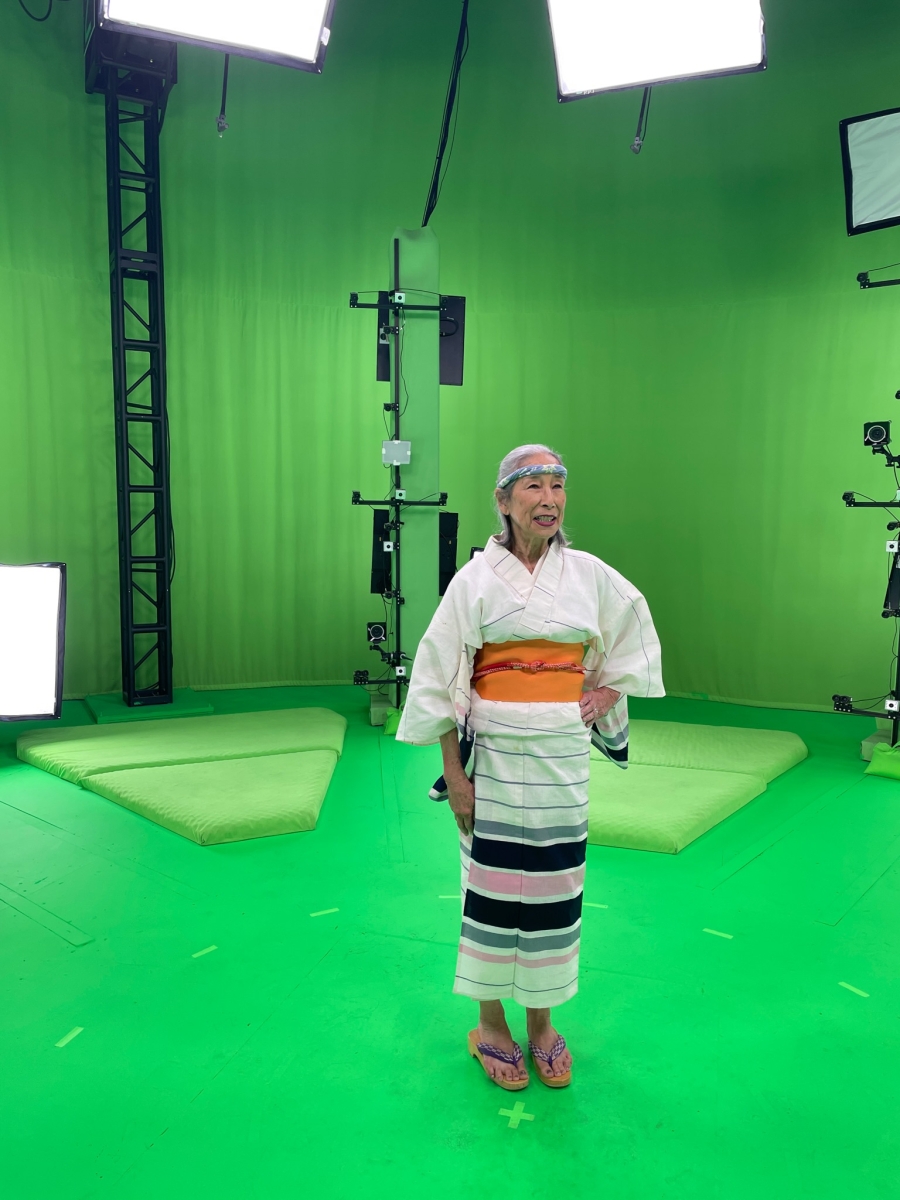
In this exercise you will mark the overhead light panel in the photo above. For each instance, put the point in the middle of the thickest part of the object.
(292, 32)
(32, 641)
(604, 45)
(870, 147)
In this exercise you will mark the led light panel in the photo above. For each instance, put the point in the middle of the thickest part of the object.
(870, 147)
(295, 31)
(32, 641)
(602, 45)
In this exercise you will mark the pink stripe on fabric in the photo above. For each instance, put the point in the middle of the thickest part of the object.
(557, 961)
(567, 883)
(482, 957)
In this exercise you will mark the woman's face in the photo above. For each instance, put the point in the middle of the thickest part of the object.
(536, 504)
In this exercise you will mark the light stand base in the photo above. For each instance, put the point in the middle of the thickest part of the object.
(379, 707)
(881, 737)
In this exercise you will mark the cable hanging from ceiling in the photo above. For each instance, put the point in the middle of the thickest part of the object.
(450, 113)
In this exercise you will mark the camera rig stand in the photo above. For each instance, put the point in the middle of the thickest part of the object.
(877, 436)
(393, 306)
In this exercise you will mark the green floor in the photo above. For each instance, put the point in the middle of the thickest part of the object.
(322, 1056)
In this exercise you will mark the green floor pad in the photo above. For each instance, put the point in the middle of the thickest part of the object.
(765, 752)
(75, 753)
(226, 801)
(663, 808)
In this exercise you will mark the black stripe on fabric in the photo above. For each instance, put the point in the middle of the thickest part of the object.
(532, 991)
(519, 856)
(522, 754)
(529, 807)
(525, 783)
(530, 944)
(512, 914)
(616, 753)
(547, 833)
(496, 620)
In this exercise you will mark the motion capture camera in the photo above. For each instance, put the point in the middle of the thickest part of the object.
(876, 434)
(376, 633)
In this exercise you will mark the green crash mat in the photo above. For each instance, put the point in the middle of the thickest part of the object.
(765, 752)
(681, 781)
(86, 750)
(663, 808)
(225, 801)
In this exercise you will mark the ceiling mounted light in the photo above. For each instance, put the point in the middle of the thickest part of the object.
(605, 45)
(32, 641)
(294, 33)
(870, 147)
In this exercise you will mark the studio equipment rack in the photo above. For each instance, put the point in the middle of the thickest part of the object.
(135, 75)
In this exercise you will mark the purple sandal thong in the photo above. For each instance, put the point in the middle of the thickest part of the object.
(483, 1050)
(550, 1057)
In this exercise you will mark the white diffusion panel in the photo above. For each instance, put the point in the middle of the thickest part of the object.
(606, 44)
(873, 146)
(30, 599)
(293, 28)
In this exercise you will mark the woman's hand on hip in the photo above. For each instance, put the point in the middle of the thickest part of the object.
(461, 795)
(597, 703)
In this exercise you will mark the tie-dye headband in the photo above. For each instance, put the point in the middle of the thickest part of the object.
(536, 469)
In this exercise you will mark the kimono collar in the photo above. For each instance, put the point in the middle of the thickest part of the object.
(513, 571)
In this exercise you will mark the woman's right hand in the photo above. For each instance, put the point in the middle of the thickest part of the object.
(461, 795)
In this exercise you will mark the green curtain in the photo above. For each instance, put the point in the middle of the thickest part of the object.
(683, 325)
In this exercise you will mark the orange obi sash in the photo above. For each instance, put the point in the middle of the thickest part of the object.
(537, 671)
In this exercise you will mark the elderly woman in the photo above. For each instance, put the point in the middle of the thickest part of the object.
(532, 652)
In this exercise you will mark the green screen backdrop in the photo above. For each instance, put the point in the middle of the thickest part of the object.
(684, 326)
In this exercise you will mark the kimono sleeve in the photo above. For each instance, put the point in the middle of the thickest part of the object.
(626, 658)
(442, 654)
(630, 659)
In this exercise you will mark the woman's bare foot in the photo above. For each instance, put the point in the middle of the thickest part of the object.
(493, 1031)
(544, 1036)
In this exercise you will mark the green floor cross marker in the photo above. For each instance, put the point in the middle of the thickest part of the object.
(516, 1114)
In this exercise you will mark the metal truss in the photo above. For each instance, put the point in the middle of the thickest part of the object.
(135, 104)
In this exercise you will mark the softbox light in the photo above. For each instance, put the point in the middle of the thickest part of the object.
(292, 32)
(605, 45)
(870, 148)
(32, 641)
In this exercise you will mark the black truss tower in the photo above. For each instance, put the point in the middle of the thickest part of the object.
(135, 75)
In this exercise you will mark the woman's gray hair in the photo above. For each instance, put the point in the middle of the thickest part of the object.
(512, 462)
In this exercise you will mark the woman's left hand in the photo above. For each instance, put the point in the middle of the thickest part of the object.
(597, 703)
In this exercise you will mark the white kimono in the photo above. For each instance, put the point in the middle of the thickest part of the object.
(523, 872)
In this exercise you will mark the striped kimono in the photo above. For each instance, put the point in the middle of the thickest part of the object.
(523, 871)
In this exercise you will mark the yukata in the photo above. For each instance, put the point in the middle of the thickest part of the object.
(505, 659)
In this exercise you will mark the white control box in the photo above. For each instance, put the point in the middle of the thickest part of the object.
(395, 454)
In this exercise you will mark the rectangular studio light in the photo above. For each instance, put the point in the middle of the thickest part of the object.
(870, 148)
(293, 32)
(605, 45)
(32, 641)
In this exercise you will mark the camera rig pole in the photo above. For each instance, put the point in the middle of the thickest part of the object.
(891, 606)
(409, 323)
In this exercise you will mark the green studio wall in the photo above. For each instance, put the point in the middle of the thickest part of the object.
(684, 326)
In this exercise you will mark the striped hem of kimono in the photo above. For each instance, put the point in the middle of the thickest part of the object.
(538, 970)
(522, 873)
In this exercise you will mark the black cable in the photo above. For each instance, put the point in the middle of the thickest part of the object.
(221, 123)
(641, 133)
(31, 14)
(459, 56)
(400, 368)
(886, 506)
